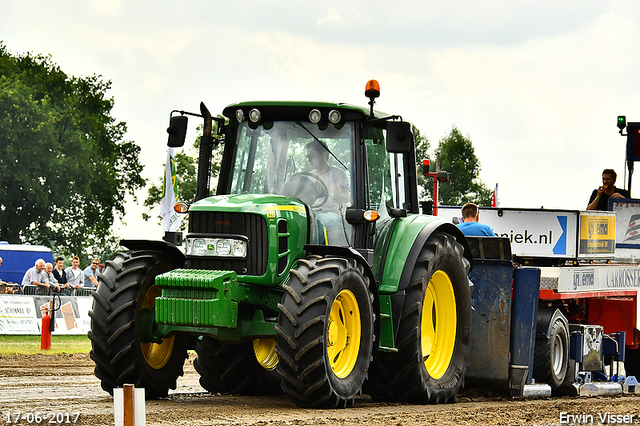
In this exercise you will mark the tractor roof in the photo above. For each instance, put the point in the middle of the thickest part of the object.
(289, 110)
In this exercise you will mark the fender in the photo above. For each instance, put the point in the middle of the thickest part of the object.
(546, 317)
(164, 247)
(398, 255)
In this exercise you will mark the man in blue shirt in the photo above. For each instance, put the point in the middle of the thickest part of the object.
(91, 274)
(470, 225)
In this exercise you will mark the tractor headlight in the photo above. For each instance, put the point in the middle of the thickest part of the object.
(255, 115)
(315, 116)
(335, 116)
(223, 247)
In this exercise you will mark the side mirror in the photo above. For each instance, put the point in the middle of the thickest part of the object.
(177, 131)
(399, 137)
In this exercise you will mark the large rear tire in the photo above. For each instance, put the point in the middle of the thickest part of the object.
(325, 332)
(243, 369)
(123, 311)
(433, 336)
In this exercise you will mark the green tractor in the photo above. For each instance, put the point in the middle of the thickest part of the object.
(310, 271)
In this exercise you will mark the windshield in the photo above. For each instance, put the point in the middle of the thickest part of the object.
(283, 157)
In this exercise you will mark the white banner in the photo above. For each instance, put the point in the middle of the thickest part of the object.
(20, 314)
(532, 232)
(170, 219)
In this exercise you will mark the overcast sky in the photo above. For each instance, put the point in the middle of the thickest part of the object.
(536, 85)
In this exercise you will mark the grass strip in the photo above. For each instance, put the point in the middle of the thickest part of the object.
(70, 344)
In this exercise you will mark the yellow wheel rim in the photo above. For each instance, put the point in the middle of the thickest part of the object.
(344, 331)
(438, 325)
(156, 354)
(265, 350)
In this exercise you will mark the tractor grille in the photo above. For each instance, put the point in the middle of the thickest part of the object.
(253, 226)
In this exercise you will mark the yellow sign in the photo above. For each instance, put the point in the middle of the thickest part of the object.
(597, 234)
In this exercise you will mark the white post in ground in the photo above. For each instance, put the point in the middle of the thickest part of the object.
(129, 406)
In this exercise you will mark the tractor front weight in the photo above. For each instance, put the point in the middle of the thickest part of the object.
(212, 302)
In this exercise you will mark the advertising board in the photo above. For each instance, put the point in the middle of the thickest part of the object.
(532, 232)
(20, 314)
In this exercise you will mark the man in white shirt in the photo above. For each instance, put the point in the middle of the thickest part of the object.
(54, 287)
(36, 276)
(75, 277)
(330, 214)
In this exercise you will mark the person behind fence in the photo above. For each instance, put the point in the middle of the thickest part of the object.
(471, 226)
(54, 287)
(61, 277)
(91, 274)
(35, 276)
(75, 277)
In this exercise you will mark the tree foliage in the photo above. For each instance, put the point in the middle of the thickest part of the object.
(457, 156)
(65, 169)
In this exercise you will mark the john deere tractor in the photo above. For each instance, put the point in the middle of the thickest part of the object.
(309, 272)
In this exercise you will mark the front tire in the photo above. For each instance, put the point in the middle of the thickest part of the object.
(433, 336)
(123, 311)
(325, 332)
(242, 369)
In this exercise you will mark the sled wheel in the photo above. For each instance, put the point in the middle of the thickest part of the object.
(122, 313)
(325, 332)
(242, 369)
(632, 362)
(552, 355)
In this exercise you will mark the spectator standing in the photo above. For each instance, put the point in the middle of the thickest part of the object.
(75, 277)
(91, 274)
(53, 283)
(61, 277)
(471, 226)
(36, 276)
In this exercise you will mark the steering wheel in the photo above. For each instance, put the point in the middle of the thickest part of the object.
(308, 188)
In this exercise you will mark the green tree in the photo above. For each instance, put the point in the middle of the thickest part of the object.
(457, 156)
(186, 177)
(65, 169)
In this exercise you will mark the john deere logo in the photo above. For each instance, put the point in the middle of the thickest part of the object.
(174, 182)
(210, 247)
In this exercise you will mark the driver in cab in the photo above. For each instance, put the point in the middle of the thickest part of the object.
(329, 214)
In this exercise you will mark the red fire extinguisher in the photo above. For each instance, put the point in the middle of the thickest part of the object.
(45, 338)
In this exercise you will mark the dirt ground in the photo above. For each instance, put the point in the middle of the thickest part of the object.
(54, 385)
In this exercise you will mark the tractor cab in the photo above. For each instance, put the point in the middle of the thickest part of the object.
(332, 157)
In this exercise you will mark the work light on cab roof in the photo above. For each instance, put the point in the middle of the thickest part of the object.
(372, 91)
